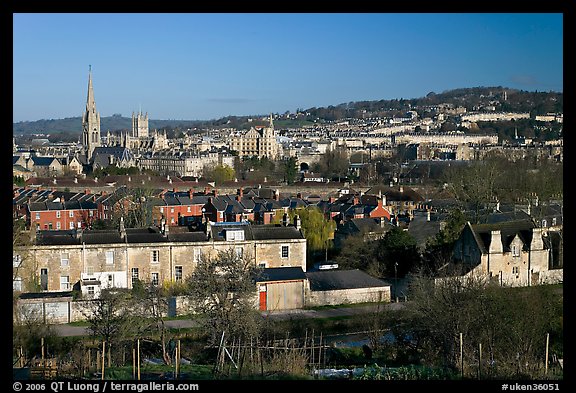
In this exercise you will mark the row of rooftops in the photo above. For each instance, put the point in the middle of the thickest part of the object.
(211, 232)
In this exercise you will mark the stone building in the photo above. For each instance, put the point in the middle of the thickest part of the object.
(258, 141)
(96, 259)
(512, 253)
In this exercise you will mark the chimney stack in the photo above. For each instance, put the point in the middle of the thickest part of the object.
(191, 193)
(285, 219)
(240, 192)
(297, 221)
(122, 228)
(428, 215)
(277, 194)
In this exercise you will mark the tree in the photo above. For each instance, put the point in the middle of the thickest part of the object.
(290, 170)
(317, 230)
(154, 303)
(112, 316)
(220, 173)
(357, 253)
(476, 183)
(439, 249)
(222, 290)
(334, 163)
(397, 253)
(510, 323)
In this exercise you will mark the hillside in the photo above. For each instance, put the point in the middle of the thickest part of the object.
(471, 98)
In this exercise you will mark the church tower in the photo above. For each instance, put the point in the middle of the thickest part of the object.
(90, 122)
(140, 125)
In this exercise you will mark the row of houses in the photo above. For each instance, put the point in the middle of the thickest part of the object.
(89, 261)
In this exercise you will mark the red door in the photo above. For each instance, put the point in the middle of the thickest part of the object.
(262, 301)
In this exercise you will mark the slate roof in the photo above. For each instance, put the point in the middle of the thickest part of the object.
(508, 230)
(422, 230)
(281, 274)
(43, 161)
(342, 279)
(256, 232)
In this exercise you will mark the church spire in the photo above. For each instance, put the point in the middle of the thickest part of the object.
(90, 121)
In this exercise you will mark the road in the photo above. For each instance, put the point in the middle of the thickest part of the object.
(67, 330)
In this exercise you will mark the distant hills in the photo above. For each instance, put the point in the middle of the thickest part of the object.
(113, 123)
(471, 98)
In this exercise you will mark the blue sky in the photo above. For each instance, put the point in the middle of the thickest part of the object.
(206, 66)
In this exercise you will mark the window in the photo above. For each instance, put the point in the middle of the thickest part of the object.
(64, 283)
(234, 234)
(554, 221)
(515, 270)
(155, 256)
(58, 225)
(44, 279)
(17, 284)
(239, 251)
(71, 213)
(57, 213)
(71, 224)
(110, 257)
(90, 270)
(172, 220)
(161, 210)
(155, 279)
(189, 209)
(64, 259)
(37, 215)
(79, 224)
(172, 210)
(49, 225)
(262, 265)
(515, 251)
(134, 275)
(90, 213)
(91, 290)
(197, 255)
(110, 280)
(16, 260)
(284, 251)
(178, 273)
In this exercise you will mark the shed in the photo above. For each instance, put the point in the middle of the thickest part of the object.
(281, 288)
(334, 287)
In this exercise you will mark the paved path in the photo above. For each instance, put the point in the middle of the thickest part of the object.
(70, 330)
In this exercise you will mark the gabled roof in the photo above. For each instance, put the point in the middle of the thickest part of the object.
(508, 230)
(43, 161)
(422, 230)
(342, 279)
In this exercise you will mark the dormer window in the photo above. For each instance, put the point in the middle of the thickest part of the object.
(234, 234)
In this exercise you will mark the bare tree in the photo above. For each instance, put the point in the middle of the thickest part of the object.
(223, 290)
(154, 303)
(113, 316)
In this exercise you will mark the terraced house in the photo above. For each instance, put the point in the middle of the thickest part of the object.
(97, 259)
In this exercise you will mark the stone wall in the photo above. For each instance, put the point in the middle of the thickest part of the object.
(347, 296)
